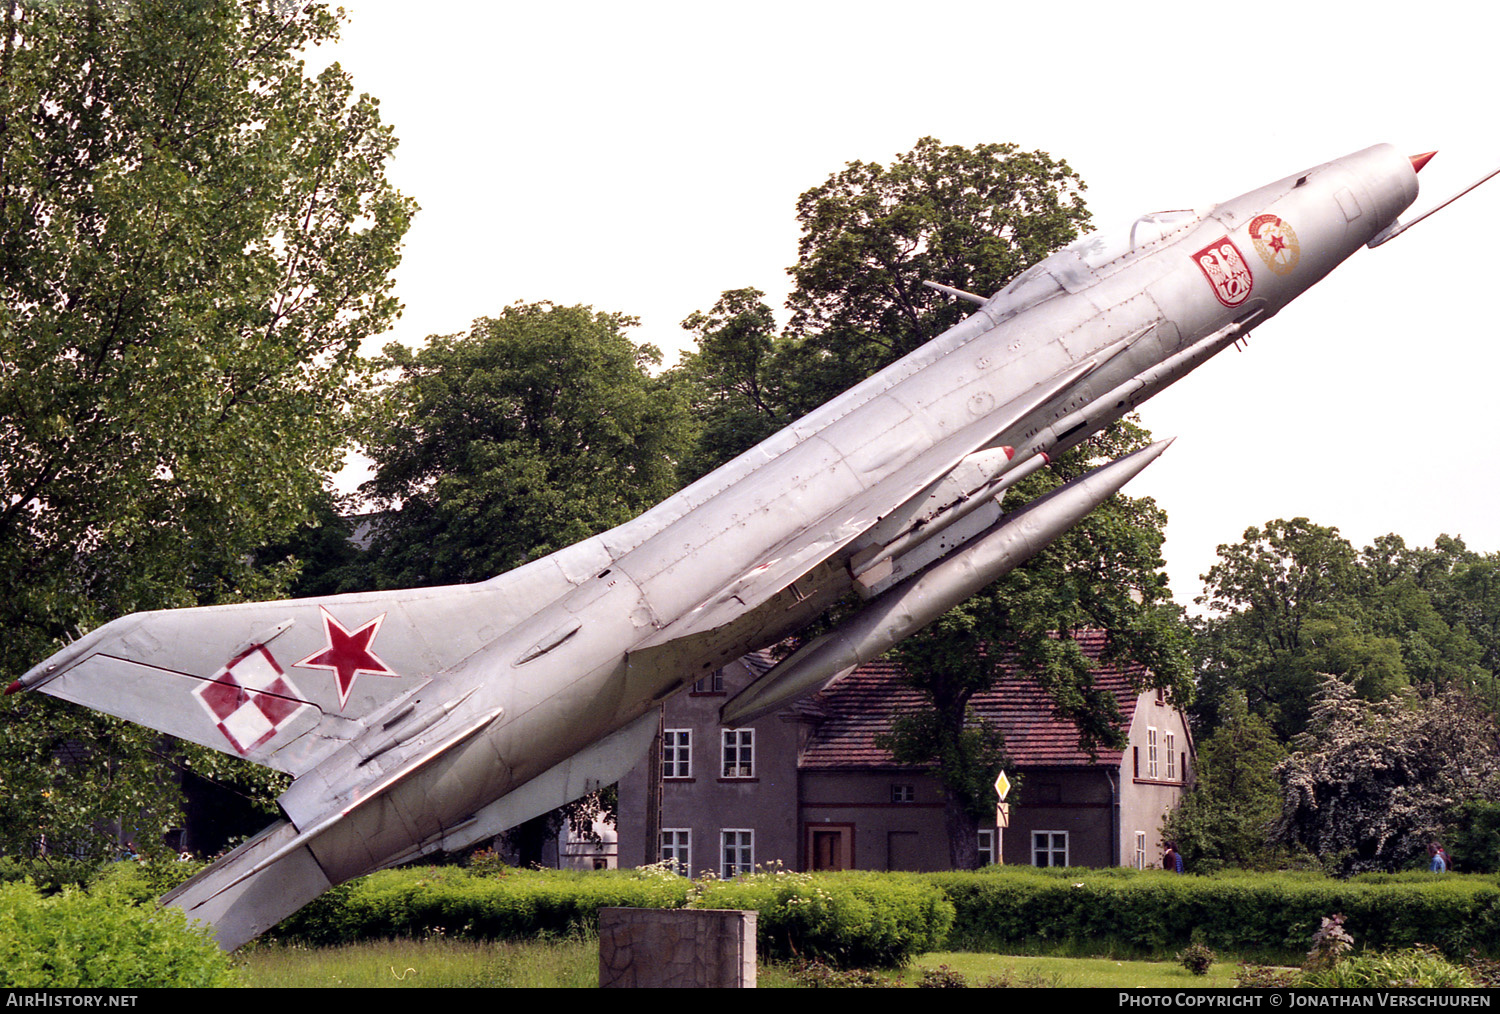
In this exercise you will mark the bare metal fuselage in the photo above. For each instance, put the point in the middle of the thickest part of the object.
(520, 693)
(686, 552)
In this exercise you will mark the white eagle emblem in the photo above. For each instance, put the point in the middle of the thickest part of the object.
(1226, 270)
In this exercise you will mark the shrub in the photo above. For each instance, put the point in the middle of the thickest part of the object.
(1418, 968)
(1196, 958)
(1330, 944)
(142, 880)
(77, 941)
(50, 874)
(942, 977)
(816, 975)
(849, 920)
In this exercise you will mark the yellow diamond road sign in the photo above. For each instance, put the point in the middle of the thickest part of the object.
(1002, 786)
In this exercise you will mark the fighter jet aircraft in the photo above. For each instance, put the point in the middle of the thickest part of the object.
(428, 719)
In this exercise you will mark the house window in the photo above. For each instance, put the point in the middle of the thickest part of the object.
(1171, 756)
(710, 684)
(677, 753)
(1150, 753)
(737, 852)
(903, 793)
(677, 849)
(739, 753)
(1049, 848)
(1140, 850)
(987, 848)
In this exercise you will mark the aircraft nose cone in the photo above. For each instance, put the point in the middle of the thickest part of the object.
(1418, 161)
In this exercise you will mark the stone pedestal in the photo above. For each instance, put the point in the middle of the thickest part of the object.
(671, 947)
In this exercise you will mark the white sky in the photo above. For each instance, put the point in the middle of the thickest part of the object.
(644, 157)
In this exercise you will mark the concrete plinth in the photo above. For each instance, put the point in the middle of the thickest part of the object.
(676, 947)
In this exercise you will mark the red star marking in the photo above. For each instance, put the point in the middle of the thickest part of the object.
(1277, 243)
(347, 654)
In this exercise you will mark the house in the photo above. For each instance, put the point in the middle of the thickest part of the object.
(809, 787)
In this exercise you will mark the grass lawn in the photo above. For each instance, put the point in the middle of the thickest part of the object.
(437, 963)
(426, 964)
(1070, 973)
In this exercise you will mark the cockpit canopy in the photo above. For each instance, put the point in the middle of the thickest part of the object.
(1099, 254)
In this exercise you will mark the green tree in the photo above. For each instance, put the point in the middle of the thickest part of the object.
(737, 394)
(1265, 590)
(972, 218)
(1465, 588)
(1370, 783)
(195, 237)
(1227, 818)
(1294, 603)
(537, 429)
(1442, 603)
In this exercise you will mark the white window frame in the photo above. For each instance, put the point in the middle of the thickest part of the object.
(677, 849)
(1049, 847)
(1171, 738)
(736, 852)
(677, 753)
(737, 753)
(903, 793)
(987, 846)
(1151, 766)
(1140, 850)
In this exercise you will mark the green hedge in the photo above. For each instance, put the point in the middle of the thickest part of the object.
(869, 919)
(846, 919)
(76, 940)
(1244, 913)
(451, 901)
(850, 920)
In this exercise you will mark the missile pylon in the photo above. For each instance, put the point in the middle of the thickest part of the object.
(917, 601)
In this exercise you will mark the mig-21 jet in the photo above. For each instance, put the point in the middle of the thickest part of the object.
(426, 720)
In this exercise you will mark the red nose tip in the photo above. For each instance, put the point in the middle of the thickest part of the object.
(1418, 161)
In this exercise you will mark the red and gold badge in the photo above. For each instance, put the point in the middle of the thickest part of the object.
(1276, 242)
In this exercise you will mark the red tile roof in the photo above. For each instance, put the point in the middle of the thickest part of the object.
(862, 705)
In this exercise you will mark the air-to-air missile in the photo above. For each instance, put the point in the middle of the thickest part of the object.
(428, 719)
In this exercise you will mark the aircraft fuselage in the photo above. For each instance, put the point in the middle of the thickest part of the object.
(1160, 290)
(459, 712)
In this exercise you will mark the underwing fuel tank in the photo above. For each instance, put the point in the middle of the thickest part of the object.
(916, 602)
(421, 720)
